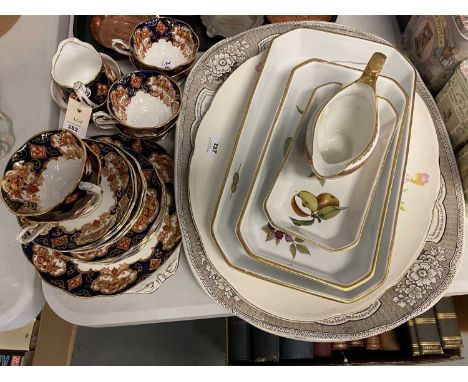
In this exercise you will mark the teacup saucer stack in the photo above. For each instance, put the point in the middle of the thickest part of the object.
(97, 216)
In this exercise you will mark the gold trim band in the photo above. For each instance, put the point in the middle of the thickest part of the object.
(443, 316)
(425, 320)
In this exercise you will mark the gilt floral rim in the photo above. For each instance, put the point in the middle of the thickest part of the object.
(413, 295)
(61, 272)
(177, 32)
(149, 81)
(117, 172)
(23, 174)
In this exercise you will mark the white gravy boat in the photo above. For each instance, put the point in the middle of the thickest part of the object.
(343, 133)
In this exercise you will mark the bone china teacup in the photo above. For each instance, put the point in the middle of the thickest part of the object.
(141, 104)
(52, 177)
(162, 43)
(80, 72)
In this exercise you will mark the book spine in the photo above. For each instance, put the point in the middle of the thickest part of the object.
(239, 338)
(265, 346)
(15, 360)
(373, 343)
(357, 343)
(447, 323)
(413, 337)
(295, 350)
(428, 333)
(336, 346)
(5, 359)
(390, 341)
(322, 349)
(452, 101)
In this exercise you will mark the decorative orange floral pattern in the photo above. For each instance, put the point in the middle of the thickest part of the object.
(120, 100)
(48, 261)
(169, 233)
(142, 41)
(98, 228)
(183, 39)
(68, 145)
(164, 166)
(161, 27)
(149, 212)
(116, 171)
(22, 184)
(111, 281)
(135, 81)
(162, 88)
(101, 89)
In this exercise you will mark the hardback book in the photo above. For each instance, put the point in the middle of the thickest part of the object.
(295, 350)
(265, 346)
(373, 343)
(413, 338)
(10, 359)
(447, 323)
(322, 349)
(390, 341)
(357, 344)
(428, 333)
(452, 102)
(5, 359)
(15, 360)
(239, 338)
(344, 345)
(436, 45)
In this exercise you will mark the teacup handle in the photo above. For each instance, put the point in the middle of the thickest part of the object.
(121, 46)
(95, 201)
(29, 233)
(103, 120)
(91, 188)
(83, 93)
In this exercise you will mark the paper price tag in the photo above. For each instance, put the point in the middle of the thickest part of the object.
(77, 117)
(213, 146)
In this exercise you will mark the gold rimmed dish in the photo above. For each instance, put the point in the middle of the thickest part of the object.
(273, 248)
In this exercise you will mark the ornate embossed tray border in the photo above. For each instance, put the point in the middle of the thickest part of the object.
(411, 296)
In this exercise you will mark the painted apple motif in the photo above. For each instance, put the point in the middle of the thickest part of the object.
(324, 206)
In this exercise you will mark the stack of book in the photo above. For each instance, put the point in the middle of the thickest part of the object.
(435, 332)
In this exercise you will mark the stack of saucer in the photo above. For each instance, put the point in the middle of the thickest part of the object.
(97, 216)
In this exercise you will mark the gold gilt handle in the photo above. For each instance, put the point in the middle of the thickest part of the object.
(372, 70)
